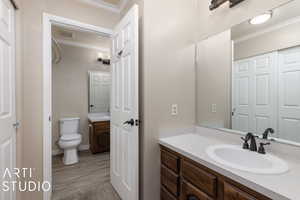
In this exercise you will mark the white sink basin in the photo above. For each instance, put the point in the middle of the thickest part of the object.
(245, 160)
(98, 117)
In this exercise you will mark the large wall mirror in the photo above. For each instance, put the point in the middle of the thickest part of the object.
(99, 91)
(248, 77)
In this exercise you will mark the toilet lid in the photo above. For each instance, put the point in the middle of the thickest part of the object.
(69, 137)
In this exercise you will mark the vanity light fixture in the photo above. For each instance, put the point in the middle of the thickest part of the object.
(105, 59)
(260, 19)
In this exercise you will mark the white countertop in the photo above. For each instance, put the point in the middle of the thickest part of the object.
(99, 117)
(277, 187)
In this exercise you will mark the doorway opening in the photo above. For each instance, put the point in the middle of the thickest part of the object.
(90, 99)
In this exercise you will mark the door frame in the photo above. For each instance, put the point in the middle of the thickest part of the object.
(48, 21)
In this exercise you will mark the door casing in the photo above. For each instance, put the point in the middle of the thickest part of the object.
(48, 21)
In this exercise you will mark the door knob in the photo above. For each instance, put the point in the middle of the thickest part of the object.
(130, 122)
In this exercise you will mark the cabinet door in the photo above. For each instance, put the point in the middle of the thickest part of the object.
(190, 192)
(166, 195)
(233, 193)
(170, 180)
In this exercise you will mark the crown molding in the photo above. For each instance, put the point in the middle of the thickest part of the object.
(268, 30)
(83, 45)
(111, 7)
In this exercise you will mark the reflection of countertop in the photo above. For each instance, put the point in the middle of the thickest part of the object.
(277, 187)
(99, 117)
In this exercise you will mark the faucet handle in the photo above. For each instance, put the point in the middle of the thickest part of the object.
(261, 148)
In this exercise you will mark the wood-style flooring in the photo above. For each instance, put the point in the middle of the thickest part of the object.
(87, 180)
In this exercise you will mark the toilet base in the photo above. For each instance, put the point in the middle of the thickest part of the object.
(70, 156)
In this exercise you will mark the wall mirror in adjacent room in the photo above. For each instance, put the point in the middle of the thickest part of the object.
(99, 91)
(248, 77)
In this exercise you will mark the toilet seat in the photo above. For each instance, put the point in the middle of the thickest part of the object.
(70, 137)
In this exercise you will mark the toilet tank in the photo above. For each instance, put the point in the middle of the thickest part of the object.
(69, 125)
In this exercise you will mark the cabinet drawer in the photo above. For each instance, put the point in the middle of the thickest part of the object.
(233, 193)
(200, 178)
(165, 195)
(102, 127)
(170, 160)
(190, 192)
(170, 180)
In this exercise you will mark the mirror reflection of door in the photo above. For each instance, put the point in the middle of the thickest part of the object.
(99, 91)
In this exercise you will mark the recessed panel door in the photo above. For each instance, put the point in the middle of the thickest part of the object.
(124, 107)
(289, 94)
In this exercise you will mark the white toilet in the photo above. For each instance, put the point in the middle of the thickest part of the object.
(70, 139)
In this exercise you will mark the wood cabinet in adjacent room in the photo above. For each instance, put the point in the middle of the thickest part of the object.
(99, 135)
(185, 179)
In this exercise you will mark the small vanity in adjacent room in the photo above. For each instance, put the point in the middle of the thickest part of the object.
(99, 132)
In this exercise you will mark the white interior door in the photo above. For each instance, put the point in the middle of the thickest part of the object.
(100, 84)
(255, 94)
(124, 137)
(7, 94)
(289, 94)
(265, 92)
(241, 105)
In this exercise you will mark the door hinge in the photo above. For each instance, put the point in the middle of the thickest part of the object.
(50, 119)
(137, 122)
(16, 125)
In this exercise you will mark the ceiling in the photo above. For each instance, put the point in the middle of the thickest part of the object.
(280, 15)
(80, 38)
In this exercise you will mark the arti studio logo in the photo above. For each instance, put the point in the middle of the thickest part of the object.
(21, 179)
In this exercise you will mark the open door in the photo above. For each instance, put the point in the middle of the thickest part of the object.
(7, 97)
(124, 107)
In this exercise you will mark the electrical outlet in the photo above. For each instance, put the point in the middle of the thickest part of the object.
(174, 109)
(213, 108)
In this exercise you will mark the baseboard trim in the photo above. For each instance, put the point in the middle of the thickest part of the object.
(83, 147)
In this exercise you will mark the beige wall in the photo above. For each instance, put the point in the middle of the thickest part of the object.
(169, 51)
(19, 94)
(285, 37)
(213, 80)
(70, 88)
(32, 10)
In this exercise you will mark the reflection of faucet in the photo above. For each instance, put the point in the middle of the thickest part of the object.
(266, 133)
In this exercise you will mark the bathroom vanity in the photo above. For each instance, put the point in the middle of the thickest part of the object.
(185, 179)
(99, 132)
(189, 172)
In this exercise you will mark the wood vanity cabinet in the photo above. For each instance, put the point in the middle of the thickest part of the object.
(184, 179)
(99, 135)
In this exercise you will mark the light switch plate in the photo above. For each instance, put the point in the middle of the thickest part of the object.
(174, 109)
